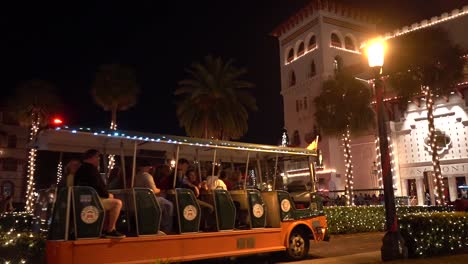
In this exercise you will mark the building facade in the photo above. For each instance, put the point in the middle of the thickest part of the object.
(318, 40)
(321, 38)
(13, 158)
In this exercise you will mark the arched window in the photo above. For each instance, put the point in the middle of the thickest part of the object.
(7, 189)
(312, 43)
(292, 79)
(313, 70)
(335, 40)
(337, 64)
(349, 43)
(290, 55)
(300, 49)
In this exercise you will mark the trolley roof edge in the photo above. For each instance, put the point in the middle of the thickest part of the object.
(65, 139)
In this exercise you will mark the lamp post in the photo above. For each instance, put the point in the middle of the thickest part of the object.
(393, 246)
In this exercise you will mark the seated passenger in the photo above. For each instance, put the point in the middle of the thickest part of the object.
(163, 178)
(88, 175)
(70, 170)
(145, 179)
(214, 182)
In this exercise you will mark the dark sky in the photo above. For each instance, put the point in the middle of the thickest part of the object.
(65, 43)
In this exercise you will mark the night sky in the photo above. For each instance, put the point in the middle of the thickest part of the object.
(65, 43)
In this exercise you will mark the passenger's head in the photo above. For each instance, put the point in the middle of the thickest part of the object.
(183, 165)
(92, 156)
(164, 171)
(72, 166)
(145, 166)
(192, 175)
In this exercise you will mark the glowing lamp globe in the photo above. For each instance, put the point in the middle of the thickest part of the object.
(375, 50)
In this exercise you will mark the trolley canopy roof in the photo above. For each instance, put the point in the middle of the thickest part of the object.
(78, 140)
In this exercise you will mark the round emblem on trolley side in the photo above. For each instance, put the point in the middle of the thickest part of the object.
(89, 214)
(190, 212)
(257, 210)
(285, 205)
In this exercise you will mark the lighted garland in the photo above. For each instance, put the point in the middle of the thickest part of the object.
(349, 194)
(30, 189)
(111, 165)
(379, 164)
(438, 180)
(392, 165)
(59, 172)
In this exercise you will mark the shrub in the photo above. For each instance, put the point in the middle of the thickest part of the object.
(17, 243)
(427, 234)
(357, 219)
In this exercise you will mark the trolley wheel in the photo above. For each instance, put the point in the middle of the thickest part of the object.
(298, 245)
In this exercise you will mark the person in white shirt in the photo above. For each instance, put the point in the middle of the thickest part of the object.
(145, 179)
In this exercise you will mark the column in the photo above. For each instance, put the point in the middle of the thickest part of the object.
(452, 187)
(420, 190)
(404, 187)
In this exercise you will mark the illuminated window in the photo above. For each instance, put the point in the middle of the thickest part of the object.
(312, 42)
(349, 43)
(313, 71)
(300, 49)
(290, 55)
(335, 40)
(292, 79)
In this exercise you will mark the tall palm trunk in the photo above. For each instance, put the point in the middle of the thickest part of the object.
(30, 189)
(349, 193)
(438, 180)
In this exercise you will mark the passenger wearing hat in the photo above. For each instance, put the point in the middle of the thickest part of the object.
(145, 179)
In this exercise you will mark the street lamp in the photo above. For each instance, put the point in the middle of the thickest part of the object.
(393, 246)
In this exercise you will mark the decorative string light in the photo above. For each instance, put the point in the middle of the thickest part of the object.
(349, 193)
(378, 163)
(30, 189)
(343, 49)
(284, 140)
(15, 232)
(302, 55)
(59, 172)
(425, 23)
(438, 180)
(111, 158)
(392, 165)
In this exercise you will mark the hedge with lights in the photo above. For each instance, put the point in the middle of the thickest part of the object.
(17, 243)
(358, 219)
(428, 234)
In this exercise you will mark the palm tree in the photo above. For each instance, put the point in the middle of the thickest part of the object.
(35, 101)
(214, 102)
(344, 108)
(115, 89)
(429, 67)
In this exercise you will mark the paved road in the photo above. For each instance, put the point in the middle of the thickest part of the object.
(364, 249)
(342, 249)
